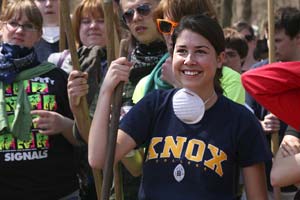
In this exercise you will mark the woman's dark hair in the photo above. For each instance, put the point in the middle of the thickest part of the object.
(176, 9)
(208, 28)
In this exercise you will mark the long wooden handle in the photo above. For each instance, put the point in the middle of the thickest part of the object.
(112, 42)
(271, 32)
(113, 130)
(65, 11)
(83, 119)
(62, 35)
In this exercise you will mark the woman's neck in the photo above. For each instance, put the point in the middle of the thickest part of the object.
(209, 97)
(211, 100)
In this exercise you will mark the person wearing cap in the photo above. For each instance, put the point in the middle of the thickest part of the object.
(187, 157)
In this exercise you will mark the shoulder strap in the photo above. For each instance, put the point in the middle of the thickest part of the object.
(62, 58)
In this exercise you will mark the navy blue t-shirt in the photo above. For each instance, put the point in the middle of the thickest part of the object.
(196, 161)
(43, 49)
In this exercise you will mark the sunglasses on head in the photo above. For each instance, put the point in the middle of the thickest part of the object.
(166, 26)
(143, 10)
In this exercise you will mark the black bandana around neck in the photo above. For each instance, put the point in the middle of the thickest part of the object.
(145, 57)
(14, 59)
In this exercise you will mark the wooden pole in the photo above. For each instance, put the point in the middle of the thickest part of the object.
(112, 136)
(62, 35)
(3, 5)
(118, 178)
(109, 28)
(271, 32)
(83, 119)
(116, 106)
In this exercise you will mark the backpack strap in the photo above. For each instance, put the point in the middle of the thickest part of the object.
(62, 57)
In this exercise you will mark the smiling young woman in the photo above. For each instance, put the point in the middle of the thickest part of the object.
(168, 14)
(185, 152)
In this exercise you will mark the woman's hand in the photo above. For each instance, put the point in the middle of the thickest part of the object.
(77, 87)
(271, 123)
(290, 145)
(50, 123)
(117, 72)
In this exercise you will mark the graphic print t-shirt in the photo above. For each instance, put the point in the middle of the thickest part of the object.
(43, 167)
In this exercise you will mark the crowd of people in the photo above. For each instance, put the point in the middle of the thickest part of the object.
(199, 105)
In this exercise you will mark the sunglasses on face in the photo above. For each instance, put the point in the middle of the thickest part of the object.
(143, 10)
(166, 26)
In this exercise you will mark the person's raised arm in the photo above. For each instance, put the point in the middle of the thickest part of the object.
(117, 72)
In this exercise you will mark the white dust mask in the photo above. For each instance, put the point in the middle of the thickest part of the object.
(188, 106)
(51, 34)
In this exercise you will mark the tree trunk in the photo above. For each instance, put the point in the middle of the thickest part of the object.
(226, 12)
(217, 6)
(246, 10)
